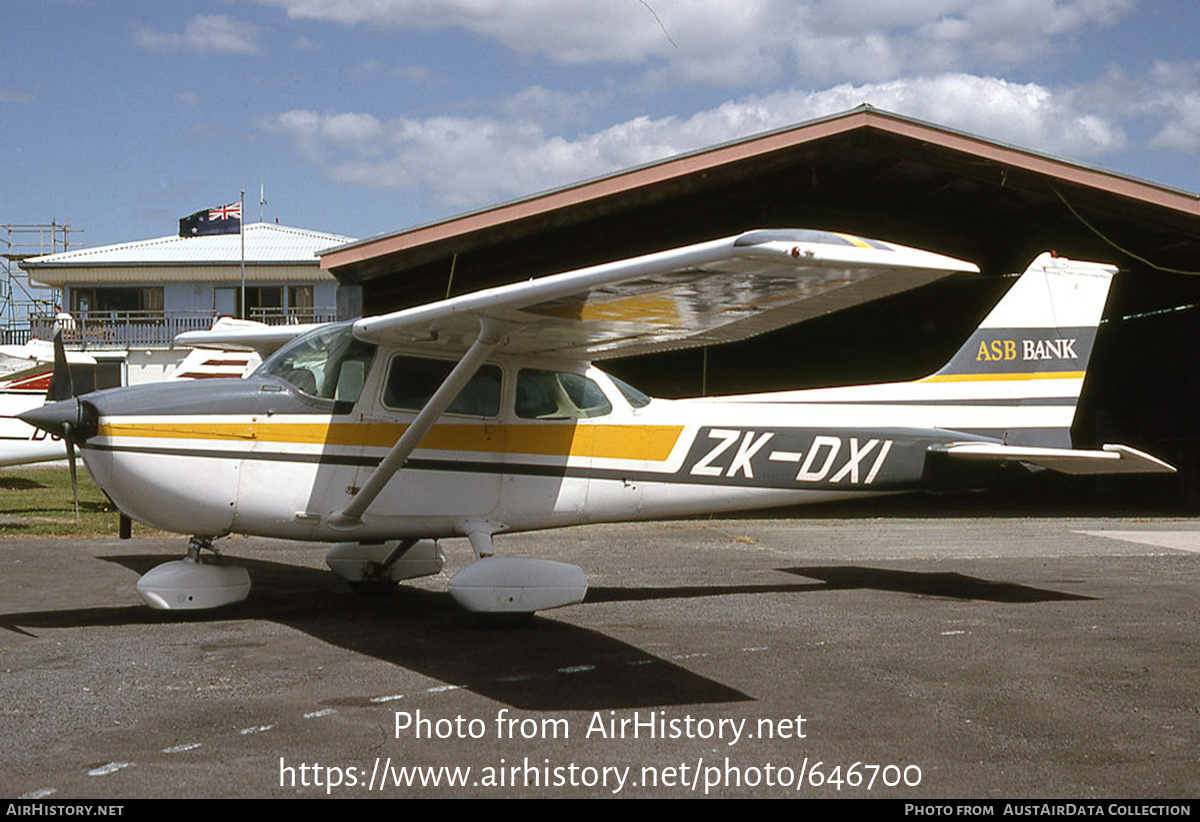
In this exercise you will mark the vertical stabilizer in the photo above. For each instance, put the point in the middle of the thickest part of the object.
(1032, 350)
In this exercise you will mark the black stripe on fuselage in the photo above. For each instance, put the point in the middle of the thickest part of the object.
(750, 458)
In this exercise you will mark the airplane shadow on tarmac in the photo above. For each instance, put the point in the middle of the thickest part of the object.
(530, 667)
(527, 667)
(845, 577)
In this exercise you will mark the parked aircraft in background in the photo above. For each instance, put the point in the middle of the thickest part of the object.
(24, 387)
(482, 414)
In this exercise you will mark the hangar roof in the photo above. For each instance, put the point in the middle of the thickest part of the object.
(866, 171)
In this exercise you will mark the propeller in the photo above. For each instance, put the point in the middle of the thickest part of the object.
(62, 387)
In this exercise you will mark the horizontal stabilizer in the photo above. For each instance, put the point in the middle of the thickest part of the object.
(1111, 459)
(246, 335)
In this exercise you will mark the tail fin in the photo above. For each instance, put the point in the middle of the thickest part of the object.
(1032, 351)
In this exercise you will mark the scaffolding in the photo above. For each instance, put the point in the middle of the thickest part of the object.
(20, 299)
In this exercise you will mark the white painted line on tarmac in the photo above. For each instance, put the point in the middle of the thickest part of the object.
(111, 767)
(255, 729)
(187, 746)
(1175, 540)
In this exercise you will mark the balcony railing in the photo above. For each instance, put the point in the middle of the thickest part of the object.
(121, 329)
(291, 316)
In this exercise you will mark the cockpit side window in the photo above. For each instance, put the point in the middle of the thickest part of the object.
(558, 395)
(328, 363)
(412, 381)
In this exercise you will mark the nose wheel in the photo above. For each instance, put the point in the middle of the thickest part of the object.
(196, 582)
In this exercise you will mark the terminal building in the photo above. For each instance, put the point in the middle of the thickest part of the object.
(127, 302)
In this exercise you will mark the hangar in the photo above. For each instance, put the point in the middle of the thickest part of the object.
(876, 174)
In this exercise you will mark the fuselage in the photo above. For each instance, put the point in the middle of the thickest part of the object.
(527, 445)
(508, 431)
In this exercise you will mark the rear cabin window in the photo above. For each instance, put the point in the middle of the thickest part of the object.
(558, 395)
(412, 381)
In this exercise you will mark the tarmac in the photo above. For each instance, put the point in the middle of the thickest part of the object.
(909, 658)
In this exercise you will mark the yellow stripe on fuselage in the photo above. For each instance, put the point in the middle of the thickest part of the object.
(636, 442)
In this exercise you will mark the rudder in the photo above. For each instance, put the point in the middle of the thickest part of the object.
(1033, 348)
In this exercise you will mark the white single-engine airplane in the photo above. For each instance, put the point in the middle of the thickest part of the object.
(482, 414)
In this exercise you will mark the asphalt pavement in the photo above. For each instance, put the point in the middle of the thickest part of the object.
(997, 657)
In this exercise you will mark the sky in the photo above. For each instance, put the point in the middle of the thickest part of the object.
(362, 117)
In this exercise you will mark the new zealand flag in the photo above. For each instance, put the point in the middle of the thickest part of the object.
(220, 220)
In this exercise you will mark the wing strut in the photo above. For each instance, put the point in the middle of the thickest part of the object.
(490, 336)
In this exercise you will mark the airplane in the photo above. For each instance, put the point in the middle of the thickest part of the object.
(483, 414)
(22, 389)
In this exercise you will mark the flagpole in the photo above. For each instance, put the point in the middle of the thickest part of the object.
(242, 231)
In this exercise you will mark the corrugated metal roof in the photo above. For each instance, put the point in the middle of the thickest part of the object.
(385, 254)
(266, 244)
(150, 274)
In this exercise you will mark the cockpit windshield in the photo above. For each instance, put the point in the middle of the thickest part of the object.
(328, 362)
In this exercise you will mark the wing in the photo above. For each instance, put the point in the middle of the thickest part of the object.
(714, 292)
(42, 351)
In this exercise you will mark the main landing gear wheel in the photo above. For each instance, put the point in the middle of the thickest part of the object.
(195, 582)
(508, 590)
(376, 568)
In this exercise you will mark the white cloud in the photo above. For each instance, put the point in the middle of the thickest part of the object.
(413, 75)
(739, 43)
(1164, 103)
(470, 161)
(553, 108)
(20, 94)
(1170, 98)
(215, 33)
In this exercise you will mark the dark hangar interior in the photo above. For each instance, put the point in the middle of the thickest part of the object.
(878, 175)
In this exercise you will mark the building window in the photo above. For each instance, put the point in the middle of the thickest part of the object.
(264, 302)
(300, 298)
(86, 301)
